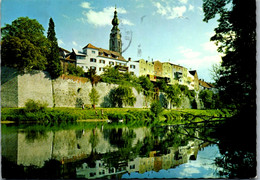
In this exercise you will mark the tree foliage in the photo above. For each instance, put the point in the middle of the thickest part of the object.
(173, 94)
(54, 65)
(94, 96)
(75, 70)
(122, 96)
(236, 38)
(24, 45)
(156, 108)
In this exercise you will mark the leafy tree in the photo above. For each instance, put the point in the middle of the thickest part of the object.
(75, 70)
(111, 75)
(207, 98)
(146, 84)
(24, 45)
(236, 39)
(54, 65)
(122, 95)
(173, 94)
(94, 97)
(91, 74)
(156, 108)
(161, 84)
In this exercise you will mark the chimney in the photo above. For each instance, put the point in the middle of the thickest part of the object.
(129, 59)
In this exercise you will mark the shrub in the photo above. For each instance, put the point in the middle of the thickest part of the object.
(34, 106)
(156, 108)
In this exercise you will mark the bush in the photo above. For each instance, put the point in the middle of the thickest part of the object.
(156, 108)
(34, 106)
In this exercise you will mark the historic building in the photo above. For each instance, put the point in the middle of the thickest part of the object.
(115, 43)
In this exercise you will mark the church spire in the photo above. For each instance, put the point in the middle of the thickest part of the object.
(115, 43)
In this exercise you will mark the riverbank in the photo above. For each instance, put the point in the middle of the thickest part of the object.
(128, 115)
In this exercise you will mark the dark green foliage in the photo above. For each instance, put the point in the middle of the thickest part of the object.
(94, 96)
(91, 74)
(34, 106)
(122, 96)
(75, 70)
(146, 84)
(54, 65)
(24, 45)
(161, 84)
(173, 94)
(156, 108)
(112, 75)
(236, 37)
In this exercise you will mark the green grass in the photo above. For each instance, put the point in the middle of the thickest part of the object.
(133, 116)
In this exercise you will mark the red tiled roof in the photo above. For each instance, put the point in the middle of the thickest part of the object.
(205, 84)
(90, 46)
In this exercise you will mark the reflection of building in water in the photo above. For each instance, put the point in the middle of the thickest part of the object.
(154, 162)
(100, 170)
(34, 148)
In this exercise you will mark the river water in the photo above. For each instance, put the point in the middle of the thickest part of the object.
(91, 151)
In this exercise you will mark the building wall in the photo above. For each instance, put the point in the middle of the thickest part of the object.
(158, 68)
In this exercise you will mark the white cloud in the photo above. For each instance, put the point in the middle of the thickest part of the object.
(104, 17)
(209, 46)
(60, 42)
(189, 53)
(74, 43)
(85, 5)
(189, 171)
(65, 16)
(183, 1)
(191, 8)
(168, 11)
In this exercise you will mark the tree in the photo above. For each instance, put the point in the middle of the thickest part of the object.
(94, 97)
(156, 108)
(122, 95)
(236, 38)
(75, 70)
(173, 94)
(24, 45)
(54, 65)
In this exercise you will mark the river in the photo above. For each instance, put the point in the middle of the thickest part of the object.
(90, 151)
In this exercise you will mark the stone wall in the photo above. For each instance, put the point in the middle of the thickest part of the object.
(67, 91)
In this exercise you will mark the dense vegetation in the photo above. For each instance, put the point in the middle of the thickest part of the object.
(25, 47)
(236, 82)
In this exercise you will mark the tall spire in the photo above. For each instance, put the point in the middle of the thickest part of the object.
(115, 43)
(115, 21)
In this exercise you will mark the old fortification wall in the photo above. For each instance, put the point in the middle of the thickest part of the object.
(66, 91)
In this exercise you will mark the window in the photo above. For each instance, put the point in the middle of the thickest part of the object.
(102, 61)
(93, 67)
(93, 52)
(132, 166)
(93, 60)
(92, 174)
(80, 57)
(132, 66)
(111, 63)
(101, 69)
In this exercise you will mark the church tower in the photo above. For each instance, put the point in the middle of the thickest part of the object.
(115, 43)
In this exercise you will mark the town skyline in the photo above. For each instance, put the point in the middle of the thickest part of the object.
(165, 31)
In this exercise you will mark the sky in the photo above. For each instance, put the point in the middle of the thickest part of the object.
(165, 30)
(202, 167)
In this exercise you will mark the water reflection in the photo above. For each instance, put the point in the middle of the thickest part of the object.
(99, 152)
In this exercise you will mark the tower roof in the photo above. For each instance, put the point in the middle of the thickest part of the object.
(115, 21)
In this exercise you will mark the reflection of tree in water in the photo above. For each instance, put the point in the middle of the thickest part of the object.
(123, 140)
(237, 144)
(93, 140)
(32, 135)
